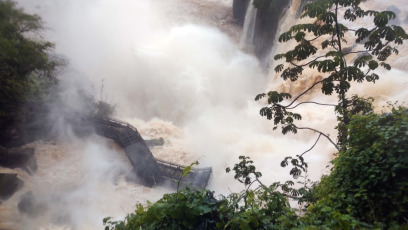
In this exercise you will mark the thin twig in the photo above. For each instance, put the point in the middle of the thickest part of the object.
(311, 102)
(314, 38)
(312, 146)
(306, 63)
(317, 131)
(310, 88)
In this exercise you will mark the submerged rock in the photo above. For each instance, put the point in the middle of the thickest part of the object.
(155, 142)
(29, 205)
(19, 158)
(9, 184)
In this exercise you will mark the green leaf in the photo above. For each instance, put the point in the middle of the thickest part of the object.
(385, 65)
(362, 60)
(259, 96)
(326, 209)
(279, 68)
(381, 19)
(373, 65)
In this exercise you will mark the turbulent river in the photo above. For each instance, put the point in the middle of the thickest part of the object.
(175, 70)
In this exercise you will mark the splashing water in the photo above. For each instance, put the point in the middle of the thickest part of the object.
(248, 33)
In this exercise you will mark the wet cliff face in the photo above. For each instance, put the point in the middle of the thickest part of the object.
(301, 6)
(239, 10)
(270, 15)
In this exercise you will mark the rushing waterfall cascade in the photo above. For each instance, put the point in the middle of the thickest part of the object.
(174, 74)
(248, 33)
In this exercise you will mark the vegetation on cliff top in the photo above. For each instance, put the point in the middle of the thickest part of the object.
(28, 76)
(27, 69)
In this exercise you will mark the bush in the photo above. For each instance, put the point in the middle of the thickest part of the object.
(369, 180)
(186, 209)
(26, 69)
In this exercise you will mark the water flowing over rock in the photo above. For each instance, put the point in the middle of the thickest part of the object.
(239, 10)
(267, 20)
(248, 33)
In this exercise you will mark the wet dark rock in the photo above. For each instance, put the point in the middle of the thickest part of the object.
(268, 19)
(9, 184)
(239, 10)
(19, 158)
(301, 7)
(29, 205)
(3, 155)
(155, 142)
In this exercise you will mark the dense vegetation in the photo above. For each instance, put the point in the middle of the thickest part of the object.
(367, 187)
(27, 70)
(369, 180)
(28, 79)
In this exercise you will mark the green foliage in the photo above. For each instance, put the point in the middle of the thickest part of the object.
(185, 172)
(299, 165)
(244, 169)
(97, 106)
(26, 69)
(265, 207)
(320, 45)
(186, 209)
(260, 208)
(369, 180)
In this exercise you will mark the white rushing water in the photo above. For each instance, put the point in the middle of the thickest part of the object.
(248, 33)
(171, 76)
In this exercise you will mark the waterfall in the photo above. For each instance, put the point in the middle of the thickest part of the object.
(288, 18)
(248, 33)
(188, 83)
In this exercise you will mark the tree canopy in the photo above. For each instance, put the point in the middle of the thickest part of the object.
(26, 66)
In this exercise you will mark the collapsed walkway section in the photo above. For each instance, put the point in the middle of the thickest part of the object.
(149, 171)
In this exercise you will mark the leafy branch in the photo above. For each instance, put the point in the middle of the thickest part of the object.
(327, 34)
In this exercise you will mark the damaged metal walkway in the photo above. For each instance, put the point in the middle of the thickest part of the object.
(149, 171)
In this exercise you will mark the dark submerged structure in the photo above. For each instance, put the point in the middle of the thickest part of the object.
(148, 170)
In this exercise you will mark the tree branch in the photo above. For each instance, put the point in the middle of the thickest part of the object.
(310, 88)
(312, 146)
(306, 63)
(311, 102)
(357, 52)
(317, 131)
(337, 28)
(314, 38)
